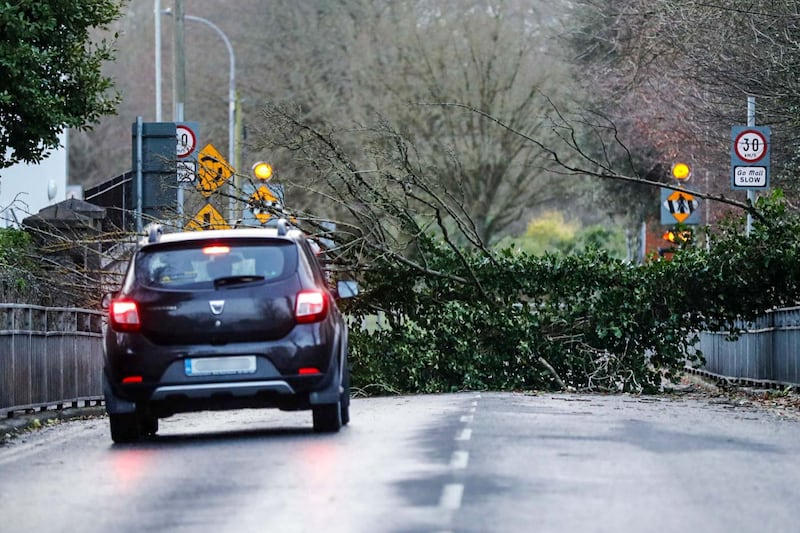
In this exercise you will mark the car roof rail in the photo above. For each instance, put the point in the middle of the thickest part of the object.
(282, 227)
(154, 232)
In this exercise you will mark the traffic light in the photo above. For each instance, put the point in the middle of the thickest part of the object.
(678, 237)
(675, 236)
(681, 171)
(262, 170)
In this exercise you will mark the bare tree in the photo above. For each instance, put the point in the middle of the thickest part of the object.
(674, 75)
(393, 60)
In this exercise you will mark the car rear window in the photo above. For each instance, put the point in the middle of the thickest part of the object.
(198, 264)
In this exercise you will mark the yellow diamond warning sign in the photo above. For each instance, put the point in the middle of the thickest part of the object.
(213, 170)
(681, 205)
(260, 201)
(207, 218)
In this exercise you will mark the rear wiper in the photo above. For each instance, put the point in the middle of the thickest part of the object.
(236, 280)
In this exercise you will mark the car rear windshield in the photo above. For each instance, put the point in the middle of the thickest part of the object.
(199, 264)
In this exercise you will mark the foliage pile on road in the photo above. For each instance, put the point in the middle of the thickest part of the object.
(513, 321)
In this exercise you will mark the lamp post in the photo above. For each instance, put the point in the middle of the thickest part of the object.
(157, 19)
(231, 97)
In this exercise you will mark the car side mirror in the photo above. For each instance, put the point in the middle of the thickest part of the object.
(347, 288)
(105, 301)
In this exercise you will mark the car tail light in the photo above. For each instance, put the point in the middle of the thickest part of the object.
(132, 379)
(124, 315)
(308, 371)
(311, 306)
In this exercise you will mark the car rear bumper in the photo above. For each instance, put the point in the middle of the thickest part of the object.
(208, 390)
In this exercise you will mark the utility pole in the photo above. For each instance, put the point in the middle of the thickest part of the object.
(179, 77)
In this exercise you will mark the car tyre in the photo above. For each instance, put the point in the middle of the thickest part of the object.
(344, 401)
(124, 427)
(327, 417)
(148, 425)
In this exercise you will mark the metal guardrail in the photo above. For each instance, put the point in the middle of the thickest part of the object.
(768, 352)
(49, 356)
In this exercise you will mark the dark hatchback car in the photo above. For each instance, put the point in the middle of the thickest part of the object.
(226, 319)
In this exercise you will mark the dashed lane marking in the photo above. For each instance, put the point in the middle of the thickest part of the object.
(464, 434)
(459, 460)
(451, 496)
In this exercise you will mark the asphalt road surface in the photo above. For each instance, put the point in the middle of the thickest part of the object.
(471, 462)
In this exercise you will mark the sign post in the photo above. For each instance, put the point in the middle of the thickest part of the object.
(749, 157)
(187, 135)
(213, 172)
(678, 206)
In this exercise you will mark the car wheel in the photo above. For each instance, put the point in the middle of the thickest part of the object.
(327, 417)
(344, 401)
(148, 425)
(124, 427)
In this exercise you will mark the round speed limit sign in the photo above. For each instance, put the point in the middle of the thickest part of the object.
(187, 141)
(750, 146)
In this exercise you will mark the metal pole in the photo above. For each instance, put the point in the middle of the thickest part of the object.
(237, 160)
(139, 163)
(157, 12)
(751, 194)
(179, 94)
(642, 243)
(231, 108)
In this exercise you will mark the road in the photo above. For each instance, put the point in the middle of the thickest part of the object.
(468, 462)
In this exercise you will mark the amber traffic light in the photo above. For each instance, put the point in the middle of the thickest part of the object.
(262, 170)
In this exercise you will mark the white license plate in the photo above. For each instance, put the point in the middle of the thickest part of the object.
(220, 366)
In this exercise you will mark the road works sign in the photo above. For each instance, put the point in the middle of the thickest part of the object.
(207, 218)
(679, 206)
(259, 201)
(750, 147)
(214, 171)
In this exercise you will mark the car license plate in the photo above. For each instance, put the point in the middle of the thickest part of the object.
(220, 366)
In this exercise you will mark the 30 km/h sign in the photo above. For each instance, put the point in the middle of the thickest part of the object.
(186, 140)
(750, 146)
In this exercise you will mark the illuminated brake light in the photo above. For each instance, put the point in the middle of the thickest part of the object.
(307, 371)
(311, 306)
(124, 315)
(132, 379)
(216, 250)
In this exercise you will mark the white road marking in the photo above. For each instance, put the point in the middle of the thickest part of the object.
(451, 496)
(464, 434)
(459, 460)
(466, 418)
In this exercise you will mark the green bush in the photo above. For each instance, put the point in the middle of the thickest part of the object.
(17, 268)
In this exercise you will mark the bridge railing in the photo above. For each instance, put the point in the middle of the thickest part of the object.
(49, 356)
(768, 351)
(52, 356)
